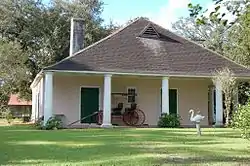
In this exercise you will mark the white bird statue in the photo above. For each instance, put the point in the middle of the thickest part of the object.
(197, 118)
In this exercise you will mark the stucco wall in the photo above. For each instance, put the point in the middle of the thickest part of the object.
(41, 98)
(191, 94)
(37, 100)
(148, 91)
(67, 94)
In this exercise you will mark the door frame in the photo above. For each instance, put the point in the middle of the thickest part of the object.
(177, 99)
(80, 97)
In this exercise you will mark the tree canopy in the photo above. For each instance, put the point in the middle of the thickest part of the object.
(39, 35)
(224, 30)
(238, 40)
(209, 35)
(231, 7)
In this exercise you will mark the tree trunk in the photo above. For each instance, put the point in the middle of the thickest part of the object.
(228, 117)
(228, 107)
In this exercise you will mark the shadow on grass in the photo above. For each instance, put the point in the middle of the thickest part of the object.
(110, 146)
(229, 135)
(207, 160)
(210, 156)
(99, 155)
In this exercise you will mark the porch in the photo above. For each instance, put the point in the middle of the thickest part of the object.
(68, 94)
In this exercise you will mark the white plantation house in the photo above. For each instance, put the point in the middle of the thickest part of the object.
(153, 67)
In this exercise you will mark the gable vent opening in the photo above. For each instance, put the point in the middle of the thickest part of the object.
(150, 32)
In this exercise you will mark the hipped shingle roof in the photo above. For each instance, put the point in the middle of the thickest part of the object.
(163, 52)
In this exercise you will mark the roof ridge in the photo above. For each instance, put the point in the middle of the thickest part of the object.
(96, 43)
(224, 57)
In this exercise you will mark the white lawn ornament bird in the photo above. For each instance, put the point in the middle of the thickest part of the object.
(197, 119)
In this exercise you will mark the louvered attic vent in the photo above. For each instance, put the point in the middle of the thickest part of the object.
(149, 32)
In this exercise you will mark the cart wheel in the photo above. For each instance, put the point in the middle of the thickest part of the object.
(141, 118)
(125, 117)
(130, 118)
(133, 118)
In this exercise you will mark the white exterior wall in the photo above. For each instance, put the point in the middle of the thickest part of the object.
(34, 105)
(41, 98)
(37, 100)
(191, 94)
(66, 98)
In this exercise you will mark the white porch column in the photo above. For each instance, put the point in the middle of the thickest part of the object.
(48, 96)
(106, 122)
(219, 105)
(34, 105)
(165, 95)
(41, 98)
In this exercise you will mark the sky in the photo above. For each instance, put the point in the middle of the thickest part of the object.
(162, 12)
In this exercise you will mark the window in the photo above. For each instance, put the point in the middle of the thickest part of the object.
(131, 95)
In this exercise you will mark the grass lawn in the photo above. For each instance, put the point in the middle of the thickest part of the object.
(22, 145)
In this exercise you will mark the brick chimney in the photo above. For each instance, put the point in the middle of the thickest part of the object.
(76, 35)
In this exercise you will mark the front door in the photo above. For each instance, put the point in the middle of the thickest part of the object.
(172, 101)
(89, 104)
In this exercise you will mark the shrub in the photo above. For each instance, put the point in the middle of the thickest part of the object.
(26, 119)
(169, 120)
(8, 115)
(53, 123)
(39, 123)
(241, 120)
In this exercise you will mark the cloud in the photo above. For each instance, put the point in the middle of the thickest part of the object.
(169, 13)
(175, 9)
(166, 15)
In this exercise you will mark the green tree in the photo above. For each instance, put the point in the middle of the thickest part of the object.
(4, 97)
(227, 83)
(236, 36)
(12, 61)
(13, 68)
(134, 19)
(43, 31)
(241, 120)
(233, 8)
(218, 21)
(187, 27)
(208, 35)
(238, 40)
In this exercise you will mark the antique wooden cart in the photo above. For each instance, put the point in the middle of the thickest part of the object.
(131, 116)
